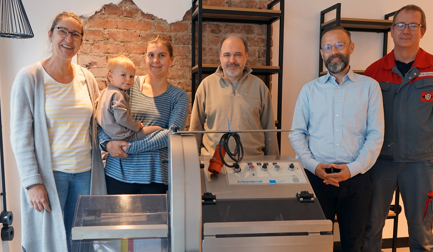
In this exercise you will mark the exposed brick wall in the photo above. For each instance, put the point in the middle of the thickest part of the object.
(123, 29)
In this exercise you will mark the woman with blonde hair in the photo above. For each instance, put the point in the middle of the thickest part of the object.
(54, 139)
(155, 102)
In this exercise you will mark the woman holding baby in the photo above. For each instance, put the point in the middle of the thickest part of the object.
(142, 168)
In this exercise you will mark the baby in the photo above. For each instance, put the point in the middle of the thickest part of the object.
(113, 112)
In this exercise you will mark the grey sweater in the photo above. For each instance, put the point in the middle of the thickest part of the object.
(113, 114)
(43, 231)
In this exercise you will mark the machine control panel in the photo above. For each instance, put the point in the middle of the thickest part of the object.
(266, 173)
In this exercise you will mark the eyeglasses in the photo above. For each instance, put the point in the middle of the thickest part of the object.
(402, 26)
(339, 46)
(63, 32)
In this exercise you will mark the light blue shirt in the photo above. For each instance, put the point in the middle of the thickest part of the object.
(344, 123)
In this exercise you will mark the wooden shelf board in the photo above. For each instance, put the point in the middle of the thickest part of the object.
(391, 215)
(359, 23)
(230, 13)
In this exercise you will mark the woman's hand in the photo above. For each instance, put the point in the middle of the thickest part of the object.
(115, 148)
(38, 197)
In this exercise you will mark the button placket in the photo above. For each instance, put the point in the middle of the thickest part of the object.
(338, 110)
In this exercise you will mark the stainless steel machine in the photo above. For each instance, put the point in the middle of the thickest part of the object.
(261, 206)
(121, 223)
(265, 204)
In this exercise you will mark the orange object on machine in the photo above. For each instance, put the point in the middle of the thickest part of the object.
(215, 163)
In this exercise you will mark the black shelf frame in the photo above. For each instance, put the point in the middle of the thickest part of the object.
(239, 15)
(357, 25)
(266, 17)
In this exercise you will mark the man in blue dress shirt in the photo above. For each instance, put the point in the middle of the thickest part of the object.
(338, 129)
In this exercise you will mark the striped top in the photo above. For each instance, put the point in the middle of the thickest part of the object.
(68, 110)
(144, 163)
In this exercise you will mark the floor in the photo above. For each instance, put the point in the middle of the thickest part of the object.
(398, 250)
(404, 249)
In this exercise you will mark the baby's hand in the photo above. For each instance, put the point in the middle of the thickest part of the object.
(141, 125)
(150, 129)
(124, 148)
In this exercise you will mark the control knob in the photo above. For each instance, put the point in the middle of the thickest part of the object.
(237, 169)
(291, 167)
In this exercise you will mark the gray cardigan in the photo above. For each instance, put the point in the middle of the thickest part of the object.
(43, 231)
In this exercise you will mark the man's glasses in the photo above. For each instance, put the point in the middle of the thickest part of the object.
(339, 46)
(63, 32)
(402, 26)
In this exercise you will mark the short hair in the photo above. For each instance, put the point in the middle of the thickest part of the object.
(119, 61)
(336, 28)
(412, 7)
(66, 14)
(236, 36)
(162, 40)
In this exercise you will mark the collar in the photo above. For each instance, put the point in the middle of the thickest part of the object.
(111, 87)
(422, 60)
(140, 79)
(220, 73)
(331, 79)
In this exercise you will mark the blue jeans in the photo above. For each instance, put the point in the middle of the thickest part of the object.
(69, 186)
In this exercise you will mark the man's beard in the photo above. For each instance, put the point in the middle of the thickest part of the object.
(337, 67)
(233, 72)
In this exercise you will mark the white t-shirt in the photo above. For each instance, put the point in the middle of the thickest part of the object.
(68, 111)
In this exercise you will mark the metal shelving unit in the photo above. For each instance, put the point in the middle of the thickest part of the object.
(266, 17)
(355, 24)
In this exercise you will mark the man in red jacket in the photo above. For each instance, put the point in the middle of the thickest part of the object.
(406, 79)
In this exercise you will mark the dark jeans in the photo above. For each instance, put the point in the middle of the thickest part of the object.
(350, 202)
(117, 187)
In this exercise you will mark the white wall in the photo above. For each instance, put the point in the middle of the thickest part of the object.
(300, 56)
